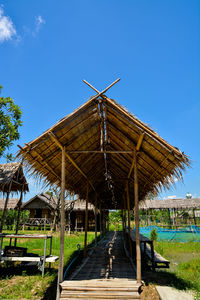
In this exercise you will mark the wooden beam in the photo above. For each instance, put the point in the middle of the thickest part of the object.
(125, 115)
(5, 207)
(95, 214)
(54, 138)
(100, 217)
(129, 223)
(41, 164)
(18, 214)
(124, 198)
(100, 152)
(91, 86)
(139, 144)
(62, 214)
(44, 161)
(52, 135)
(101, 93)
(136, 210)
(86, 220)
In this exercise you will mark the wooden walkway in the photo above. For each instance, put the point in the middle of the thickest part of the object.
(105, 274)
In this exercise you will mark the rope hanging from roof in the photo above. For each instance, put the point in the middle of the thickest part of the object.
(104, 136)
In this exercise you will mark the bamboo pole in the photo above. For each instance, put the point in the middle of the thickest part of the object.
(124, 213)
(100, 219)
(62, 225)
(123, 219)
(86, 220)
(95, 214)
(54, 138)
(105, 90)
(5, 207)
(195, 223)
(129, 225)
(18, 215)
(138, 252)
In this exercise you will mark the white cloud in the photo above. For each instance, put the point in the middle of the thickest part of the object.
(38, 23)
(7, 28)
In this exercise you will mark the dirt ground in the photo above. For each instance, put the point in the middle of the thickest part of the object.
(149, 292)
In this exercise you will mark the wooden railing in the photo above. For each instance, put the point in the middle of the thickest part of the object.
(38, 221)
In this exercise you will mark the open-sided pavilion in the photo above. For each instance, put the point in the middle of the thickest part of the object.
(107, 156)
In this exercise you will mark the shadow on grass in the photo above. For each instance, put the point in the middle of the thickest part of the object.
(8, 271)
(166, 278)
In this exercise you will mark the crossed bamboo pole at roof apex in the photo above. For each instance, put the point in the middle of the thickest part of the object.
(102, 92)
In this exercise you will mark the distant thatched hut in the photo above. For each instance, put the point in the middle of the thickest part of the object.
(43, 208)
(12, 204)
(12, 180)
(191, 206)
(77, 216)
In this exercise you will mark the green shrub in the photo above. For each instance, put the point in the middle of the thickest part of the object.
(154, 235)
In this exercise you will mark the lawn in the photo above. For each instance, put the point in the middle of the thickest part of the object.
(184, 271)
(27, 283)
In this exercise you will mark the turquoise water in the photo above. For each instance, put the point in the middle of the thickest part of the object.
(188, 234)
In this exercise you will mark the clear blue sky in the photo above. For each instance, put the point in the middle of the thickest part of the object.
(48, 47)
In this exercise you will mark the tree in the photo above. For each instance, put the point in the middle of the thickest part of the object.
(10, 121)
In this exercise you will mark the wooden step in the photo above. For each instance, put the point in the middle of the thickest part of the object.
(119, 289)
(100, 289)
(101, 295)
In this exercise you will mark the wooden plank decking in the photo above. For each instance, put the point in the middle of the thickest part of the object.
(104, 274)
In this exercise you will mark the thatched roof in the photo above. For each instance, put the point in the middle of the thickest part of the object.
(177, 203)
(103, 127)
(12, 203)
(79, 205)
(44, 200)
(12, 178)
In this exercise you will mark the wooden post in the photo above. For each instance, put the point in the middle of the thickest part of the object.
(86, 221)
(194, 217)
(69, 223)
(138, 252)
(124, 213)
(4, 210)
(100, 219)
(95, 214)
(107, 221)
(45, 222)
(123, 219)
(103, 221)
(129, 225)
(62, 227)
(169, 217)
(18, 214)
(174, 217)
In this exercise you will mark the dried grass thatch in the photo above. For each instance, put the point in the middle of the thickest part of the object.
(182, 203)
(12, 204)
(12, 178)
(81, 132)
(44, 200)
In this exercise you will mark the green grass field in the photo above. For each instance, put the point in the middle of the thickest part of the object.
(24, 283)
(184, 271)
